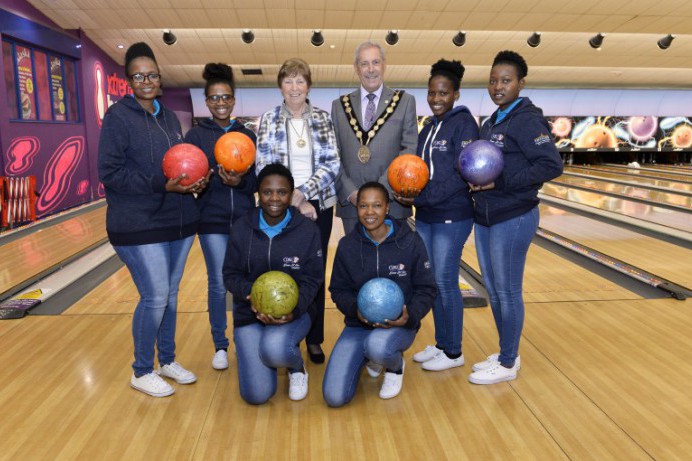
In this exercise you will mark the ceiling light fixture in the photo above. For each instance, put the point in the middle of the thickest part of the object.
(459, 39)
(534, 40)
(665, 42)
(169, 37)
(392, 37)
(247, 36)
(596, 41)
(317, 38)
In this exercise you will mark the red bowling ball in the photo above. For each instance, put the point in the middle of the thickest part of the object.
(185, 159)
(481, 162)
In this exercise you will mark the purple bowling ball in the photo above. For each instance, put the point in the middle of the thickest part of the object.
(481, 162)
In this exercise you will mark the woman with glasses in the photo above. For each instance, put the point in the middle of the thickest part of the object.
(230, 195)
(151, 221)
(301, 137)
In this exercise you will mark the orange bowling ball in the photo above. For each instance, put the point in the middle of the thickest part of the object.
(407, 175)
(186, 159)
(235, 152)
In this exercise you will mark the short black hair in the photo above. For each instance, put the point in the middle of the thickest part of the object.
(275, 169)
(217, 73)
(138, 50)
(513, 59)
(373, 185)
(453, 70)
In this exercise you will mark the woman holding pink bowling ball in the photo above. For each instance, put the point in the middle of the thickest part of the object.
(151, 221)
(506, 210)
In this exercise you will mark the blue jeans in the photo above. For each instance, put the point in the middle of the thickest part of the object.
(214, 250)
(353, 349)
(156, 270)
(261, 349)
(445, 242)
(501, 250)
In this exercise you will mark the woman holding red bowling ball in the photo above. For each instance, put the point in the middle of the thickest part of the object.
(273, 237)
(378, 246)
(151, 221)
(230, 195)
(444, 210)
(506, 210)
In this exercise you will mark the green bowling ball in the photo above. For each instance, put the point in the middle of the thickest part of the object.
(274, 293)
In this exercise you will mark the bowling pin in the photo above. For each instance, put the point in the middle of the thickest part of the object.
(100, 99)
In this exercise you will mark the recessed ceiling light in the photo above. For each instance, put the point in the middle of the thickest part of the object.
(120, 46)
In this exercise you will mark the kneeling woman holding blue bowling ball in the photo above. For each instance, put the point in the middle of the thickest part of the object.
(378, 246)
(273, 237)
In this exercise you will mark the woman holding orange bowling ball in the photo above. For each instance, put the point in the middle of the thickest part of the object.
(230, 195)
(444, 210)
(151, 221)
(378, 246)
(301, 137)
(506, 210)
(273, 237)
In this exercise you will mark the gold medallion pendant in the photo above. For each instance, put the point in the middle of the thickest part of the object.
(364, 154)
(301, 143)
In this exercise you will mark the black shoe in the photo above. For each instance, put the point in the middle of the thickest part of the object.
(315, 353)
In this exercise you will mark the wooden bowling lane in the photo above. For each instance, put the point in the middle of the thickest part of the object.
(632, 179)
(637, 192)
(39, 251)
(678, 220)
(656, 168)
(666, 260)
(639, 172)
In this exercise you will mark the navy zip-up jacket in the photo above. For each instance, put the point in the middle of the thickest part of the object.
(530, 158)
(219, 204)
(131, 149)
(297, 251)
(446, 197)
(401, 257)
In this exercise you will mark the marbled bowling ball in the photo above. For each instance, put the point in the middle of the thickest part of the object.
(481, 162)
(597, 136)
(407, 175)
(642, 128)
(274, 293)
(235, 151)
(186, 159)
(379, 299)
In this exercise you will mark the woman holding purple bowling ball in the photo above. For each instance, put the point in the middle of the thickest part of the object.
(444, 210)
(506, 210)
(378, 246)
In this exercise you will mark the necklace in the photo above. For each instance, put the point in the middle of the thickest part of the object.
(300, 142)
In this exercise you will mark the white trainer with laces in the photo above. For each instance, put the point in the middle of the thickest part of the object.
(220, 360)
(429, 353)
(442, 362)
(175, 371)
(493, 375)
(373, 369)
(491, 361)
(298, 385)
(391, 386)
(152, 384)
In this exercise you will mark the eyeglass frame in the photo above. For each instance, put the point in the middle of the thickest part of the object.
(219, 98)
(152, 77)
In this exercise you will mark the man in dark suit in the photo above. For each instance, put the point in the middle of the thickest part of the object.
(373, 125)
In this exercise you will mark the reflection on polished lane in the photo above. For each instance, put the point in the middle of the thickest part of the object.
(654, 214)
(633, 178)
(633, 171)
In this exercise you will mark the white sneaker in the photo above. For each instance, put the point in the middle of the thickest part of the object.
(373, 369)
(391, 386)
(152, 384)
(493, 375)
(175, 371)
(442, 362)
(298, 385)
(426, 354)
(491, 361)
(220, 360)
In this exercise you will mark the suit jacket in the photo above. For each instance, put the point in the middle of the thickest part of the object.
(399, 135)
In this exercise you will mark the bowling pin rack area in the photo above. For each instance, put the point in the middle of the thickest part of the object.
(17, 200)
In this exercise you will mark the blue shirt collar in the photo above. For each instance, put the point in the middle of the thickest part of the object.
(389, 223)
(278, 227)
(509, 109)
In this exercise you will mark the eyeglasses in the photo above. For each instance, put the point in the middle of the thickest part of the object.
(216, 98)
(140, 78)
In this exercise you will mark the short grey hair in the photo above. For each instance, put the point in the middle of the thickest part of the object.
(365, 45)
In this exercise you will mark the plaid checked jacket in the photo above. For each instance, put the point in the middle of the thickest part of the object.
(273, 140)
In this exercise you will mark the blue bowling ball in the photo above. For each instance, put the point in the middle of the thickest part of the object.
(380, 299)
(481, 162)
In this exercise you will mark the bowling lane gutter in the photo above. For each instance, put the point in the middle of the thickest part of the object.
(668, 190)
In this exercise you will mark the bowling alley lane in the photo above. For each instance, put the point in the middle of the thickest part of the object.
(631, 176)
(664, 259)
(598, 185)
(642, 172)
(680, 220)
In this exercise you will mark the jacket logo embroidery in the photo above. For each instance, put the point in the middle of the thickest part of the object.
(398, 270)
(541, 139)
(292, 262)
